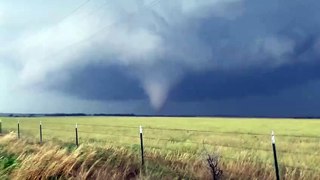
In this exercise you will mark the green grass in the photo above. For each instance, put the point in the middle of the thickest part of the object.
(234, 139)
(7, 163)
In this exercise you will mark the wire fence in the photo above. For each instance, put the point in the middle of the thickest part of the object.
(170, 140)
(102, 130)
(185, 130)
(174, 140)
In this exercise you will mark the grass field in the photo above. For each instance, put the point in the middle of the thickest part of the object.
(178, 147)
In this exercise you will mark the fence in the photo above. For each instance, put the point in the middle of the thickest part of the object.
(78, 131)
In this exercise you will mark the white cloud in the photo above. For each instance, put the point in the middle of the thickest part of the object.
(1, 17)
(274, 50)
(157, 42)
(278, 47)
(127, 35)
(14, 99)
(219, 8)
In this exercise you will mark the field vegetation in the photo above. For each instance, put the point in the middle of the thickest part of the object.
(175, 148)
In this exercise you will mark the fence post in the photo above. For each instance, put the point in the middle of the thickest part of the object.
(40, 132)
(0, 126)
(273, 140)
(18, 129)
(77, 140)
(141, 143)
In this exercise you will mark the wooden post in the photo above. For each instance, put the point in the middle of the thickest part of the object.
(0, 126)
(141, 143)
(18, 129)
(40, 132)
(77, 140)
(273, 140)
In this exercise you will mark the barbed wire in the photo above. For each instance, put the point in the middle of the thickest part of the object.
(282, 165)
(172, 140)
(146, 128)
(199, 143)
(107, 134)
(188, 141)
(229, 146)
(53, 129)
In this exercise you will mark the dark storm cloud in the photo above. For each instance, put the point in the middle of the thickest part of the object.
(185, 50)
(236, 72)
(103, 83)
(258, 82)
(298, 101)
(100, 83)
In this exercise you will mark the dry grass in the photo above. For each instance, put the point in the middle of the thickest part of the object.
(110, 148)
(51, 161)
(55, 160)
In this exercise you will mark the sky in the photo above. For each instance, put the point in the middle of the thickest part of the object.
(182, 57)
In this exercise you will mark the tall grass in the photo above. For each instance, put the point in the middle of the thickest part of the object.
(55, 161)
(171, 152)
(59, 160)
